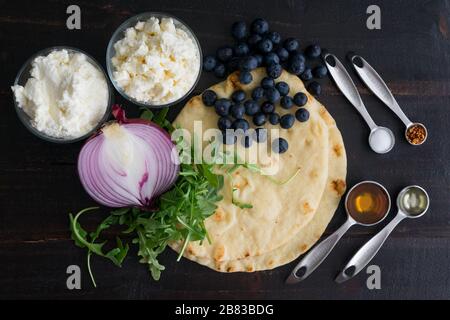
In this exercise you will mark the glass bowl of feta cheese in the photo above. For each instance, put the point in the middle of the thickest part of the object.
(62, 95)
(154, 60)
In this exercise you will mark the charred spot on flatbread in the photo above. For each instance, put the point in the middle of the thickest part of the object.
(339, 186)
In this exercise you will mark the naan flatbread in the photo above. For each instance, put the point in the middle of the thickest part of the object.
(285, 220)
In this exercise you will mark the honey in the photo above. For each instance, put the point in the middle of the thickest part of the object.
(368, 203)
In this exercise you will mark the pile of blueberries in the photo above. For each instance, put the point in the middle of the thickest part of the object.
(261, 108)
(258, 46)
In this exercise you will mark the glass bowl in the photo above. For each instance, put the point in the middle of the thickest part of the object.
(24, 75)
(119, 34)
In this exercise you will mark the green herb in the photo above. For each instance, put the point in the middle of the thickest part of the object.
(239, 204)
(159, 118)
(85, 240)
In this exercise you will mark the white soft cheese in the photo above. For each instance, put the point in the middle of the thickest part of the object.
(66, 96)
(156, 62)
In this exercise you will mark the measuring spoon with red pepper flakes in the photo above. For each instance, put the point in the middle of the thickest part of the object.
(415, 133)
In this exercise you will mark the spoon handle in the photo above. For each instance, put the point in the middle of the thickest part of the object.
(376, 84)
(366, 253)
(317, 255)
(345, 83)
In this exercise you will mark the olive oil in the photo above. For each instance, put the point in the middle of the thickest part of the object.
(413, 202)
(368, 203)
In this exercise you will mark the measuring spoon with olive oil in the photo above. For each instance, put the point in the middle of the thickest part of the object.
(367, 203)
(412, 202)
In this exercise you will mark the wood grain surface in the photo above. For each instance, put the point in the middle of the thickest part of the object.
(39, 184)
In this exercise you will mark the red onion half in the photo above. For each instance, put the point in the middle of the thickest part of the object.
(128, 163)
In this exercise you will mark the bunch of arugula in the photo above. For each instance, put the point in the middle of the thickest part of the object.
(180, 216)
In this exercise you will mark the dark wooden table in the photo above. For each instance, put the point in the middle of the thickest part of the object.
(39, 185)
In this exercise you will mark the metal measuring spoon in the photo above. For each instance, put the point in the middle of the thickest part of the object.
(379, 88)
(412, 202)
(317, 255)
(381, 139)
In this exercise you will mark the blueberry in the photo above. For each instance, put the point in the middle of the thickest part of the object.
(296, 67)
(209, 63)
(237, 111)
(219, 70)
(229, 137)
(320, 72)
(259, 119)
(259, 58)
(291, 44)
(300, 99)
(283, 54)
(302, 115)
(241, 49)
(224, 123)
(265, 46)
(260, 26)
(247, 141)
(248, 63)
(224, 54)
(251, 107)
(307, 74)
(280, 145)
(240, 124)
(313, 51)
(245, 77)
(260, 135)
(233, 64)
(287, 121)
(314, 88)
(297, 57)
(222, 107)
(239, 30)
(274, 70)
(267, 107)
(274, 118)
(238, 96)
(267, 82)
(272, 95)
(253, 40)
(283, 88)
(274, 36)
(286, 102)
(257, 93)
(209, 97)
(271, 58)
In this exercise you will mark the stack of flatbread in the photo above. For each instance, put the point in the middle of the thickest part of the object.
(285, 219)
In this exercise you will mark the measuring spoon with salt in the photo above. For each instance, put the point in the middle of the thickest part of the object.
(412, 203)
(415, 133)
(381, 139)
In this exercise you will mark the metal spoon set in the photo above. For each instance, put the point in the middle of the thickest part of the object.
(381, 139)
(412, 202)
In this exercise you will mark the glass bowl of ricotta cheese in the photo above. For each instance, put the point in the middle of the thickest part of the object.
(154, 60)
(62, 95)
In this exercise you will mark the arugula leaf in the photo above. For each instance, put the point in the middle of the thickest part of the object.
(85, 240)
(239, 204)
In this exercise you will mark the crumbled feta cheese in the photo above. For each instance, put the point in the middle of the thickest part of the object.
(156, 62)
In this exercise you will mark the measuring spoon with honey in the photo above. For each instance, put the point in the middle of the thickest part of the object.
(415, 133)
(367, 203)
(412, 202)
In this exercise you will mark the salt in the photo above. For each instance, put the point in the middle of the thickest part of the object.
(381, 140)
